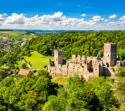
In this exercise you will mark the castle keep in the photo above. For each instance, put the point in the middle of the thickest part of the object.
(110, 54)
(87, 67)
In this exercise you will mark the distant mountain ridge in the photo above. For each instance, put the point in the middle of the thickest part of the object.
(50, 31)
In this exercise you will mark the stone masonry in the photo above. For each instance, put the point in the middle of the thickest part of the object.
(86, 67)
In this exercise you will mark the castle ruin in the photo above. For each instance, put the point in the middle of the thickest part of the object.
(86, 67)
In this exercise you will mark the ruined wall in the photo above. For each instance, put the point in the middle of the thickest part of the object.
(87, 67)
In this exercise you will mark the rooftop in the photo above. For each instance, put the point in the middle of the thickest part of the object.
(24, 72)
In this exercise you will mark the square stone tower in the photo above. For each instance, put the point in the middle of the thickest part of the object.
(58, 57)
(110, 54)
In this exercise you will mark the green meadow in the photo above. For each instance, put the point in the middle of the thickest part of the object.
(60, 80)
(37, 60)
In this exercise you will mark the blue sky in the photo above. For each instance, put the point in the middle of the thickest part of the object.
(71, 9)
(68, 7)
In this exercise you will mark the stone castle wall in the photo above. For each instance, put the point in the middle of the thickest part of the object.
(86, 67)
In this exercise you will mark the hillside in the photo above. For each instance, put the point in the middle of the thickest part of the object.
(39, 92)
(83, 43)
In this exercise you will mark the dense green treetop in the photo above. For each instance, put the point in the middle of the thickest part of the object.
(28, 93)
(83, 43)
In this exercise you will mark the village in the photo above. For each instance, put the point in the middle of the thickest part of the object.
(8, 42)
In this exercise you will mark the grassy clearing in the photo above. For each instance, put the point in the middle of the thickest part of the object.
(20, 63)
(60, 80)
(37, 60)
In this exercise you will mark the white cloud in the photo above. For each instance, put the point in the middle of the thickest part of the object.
(112, 16)
(58, 21)
(122, 18)
(15, 19)
(97, 18)
(106, 20)
(83, 15)
(3, 17)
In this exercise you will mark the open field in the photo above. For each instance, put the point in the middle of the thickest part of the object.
(60, 80)
(37, 60)
(17, 35)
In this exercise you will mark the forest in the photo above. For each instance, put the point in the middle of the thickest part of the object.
(38, 92)
(83, 43)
